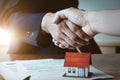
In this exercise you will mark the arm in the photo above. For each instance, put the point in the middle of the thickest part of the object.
(93, 22)
(106, 22)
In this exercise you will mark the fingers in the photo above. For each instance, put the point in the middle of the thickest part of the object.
(77, 31)
(70, 35)
(76, 34)
(62, 45)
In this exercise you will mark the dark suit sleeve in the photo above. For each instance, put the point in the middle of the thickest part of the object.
(26, 26)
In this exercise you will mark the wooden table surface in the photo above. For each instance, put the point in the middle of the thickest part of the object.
(108, 63)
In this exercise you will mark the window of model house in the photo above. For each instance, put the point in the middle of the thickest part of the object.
(73, 70)
(69, 70)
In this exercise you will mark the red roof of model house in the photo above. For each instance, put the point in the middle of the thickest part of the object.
(75, 59)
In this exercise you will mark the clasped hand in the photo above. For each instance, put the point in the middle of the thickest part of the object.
(67, 28)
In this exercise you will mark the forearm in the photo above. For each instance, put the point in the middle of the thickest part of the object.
(107, 22)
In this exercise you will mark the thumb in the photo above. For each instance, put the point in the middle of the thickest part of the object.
(59, 16)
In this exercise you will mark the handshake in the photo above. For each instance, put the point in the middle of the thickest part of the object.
(74, 27)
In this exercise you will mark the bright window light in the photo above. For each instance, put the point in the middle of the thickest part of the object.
(5, 37)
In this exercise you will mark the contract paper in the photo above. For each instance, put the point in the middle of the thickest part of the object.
(43, 69)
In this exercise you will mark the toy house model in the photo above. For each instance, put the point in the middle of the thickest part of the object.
(77, 64)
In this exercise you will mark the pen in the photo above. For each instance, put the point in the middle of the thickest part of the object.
(77, 48)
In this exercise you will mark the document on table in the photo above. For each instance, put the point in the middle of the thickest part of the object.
(44, 69)
(13, 71)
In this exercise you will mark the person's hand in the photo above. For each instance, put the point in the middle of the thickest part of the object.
(67, 34)
(74, 36)
(77, 16)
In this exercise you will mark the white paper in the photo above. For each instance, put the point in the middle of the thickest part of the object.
(13, 71)
(8, 73)
(50, 69)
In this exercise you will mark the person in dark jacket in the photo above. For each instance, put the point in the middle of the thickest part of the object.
(25, 18)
